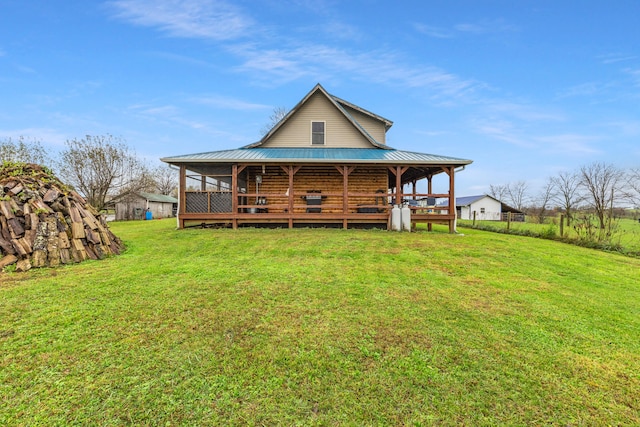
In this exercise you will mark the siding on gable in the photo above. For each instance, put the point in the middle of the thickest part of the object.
(374, 127)
(296, 132)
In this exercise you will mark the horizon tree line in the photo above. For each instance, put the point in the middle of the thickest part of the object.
(598, 187)
(101, 168)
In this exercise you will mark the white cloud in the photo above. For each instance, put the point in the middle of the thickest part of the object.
(503, 130)
(531, 135)
(48, 136)
(159, 111)
(432, 31)
(627, 128)
(274, 60)
(634, 74)
(525, 112)
(163, 113)
(207, 19)
(612, 58)
(382, 66)
(224, 102)
(486, 27)
(569, 143)
(480, 28)
(182, 58)
(584, 89)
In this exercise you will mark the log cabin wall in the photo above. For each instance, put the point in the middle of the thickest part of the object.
(326, 179)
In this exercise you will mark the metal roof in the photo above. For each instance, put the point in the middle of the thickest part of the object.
(467, 200)
(316, 155)
(161, 198)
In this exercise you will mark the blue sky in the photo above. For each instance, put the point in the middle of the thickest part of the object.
(523, 88)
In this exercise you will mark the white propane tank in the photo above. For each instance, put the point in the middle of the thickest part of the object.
(396, 222)
(406, 218)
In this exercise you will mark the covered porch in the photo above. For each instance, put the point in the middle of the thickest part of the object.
(308, 194)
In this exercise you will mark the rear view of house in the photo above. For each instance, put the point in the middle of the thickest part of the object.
(326, 163)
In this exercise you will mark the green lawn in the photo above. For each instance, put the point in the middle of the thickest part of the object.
(323, 327)
(626, 231)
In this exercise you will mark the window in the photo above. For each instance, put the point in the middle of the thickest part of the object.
(317, 133)
(481, 210)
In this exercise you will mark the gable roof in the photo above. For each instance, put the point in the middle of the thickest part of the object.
(387, 123)
(468, 200)
(340, 105)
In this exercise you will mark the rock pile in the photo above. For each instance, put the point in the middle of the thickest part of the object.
(43, 223)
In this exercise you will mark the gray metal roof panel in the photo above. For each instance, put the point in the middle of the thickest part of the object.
(467, 200)
(152, 197)
(316, 154)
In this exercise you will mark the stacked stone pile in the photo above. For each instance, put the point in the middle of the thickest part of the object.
(43, 223)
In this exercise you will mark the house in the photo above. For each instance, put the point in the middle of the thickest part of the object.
(326, 163)
(136, 206)
(484, 207)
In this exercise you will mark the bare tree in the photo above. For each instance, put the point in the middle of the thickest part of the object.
(277, 114)
(602, 182)
(24, 150)
(517, 194)
(567, 192)
(166, 180)
(102, 166)
(498, 192)
(544, 198)
(633, 186)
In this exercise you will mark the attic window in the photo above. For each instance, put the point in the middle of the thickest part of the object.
(317, 133)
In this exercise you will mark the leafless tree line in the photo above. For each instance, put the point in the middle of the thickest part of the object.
(597, 187)
(100, 168)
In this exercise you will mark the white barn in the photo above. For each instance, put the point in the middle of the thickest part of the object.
(486, 208)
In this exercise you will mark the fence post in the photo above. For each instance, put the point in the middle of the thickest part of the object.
(474, 218)
(561, 225)
(508, 220)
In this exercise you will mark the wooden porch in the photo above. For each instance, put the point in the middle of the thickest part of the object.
(307, 195)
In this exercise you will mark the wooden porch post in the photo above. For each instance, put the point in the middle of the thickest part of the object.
(398, 171)
(182, 188)
(398, 185)
(345, 171)
(290, 171)
(234, 196)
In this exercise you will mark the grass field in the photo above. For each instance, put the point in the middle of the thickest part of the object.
(626, 231)
(323, 327)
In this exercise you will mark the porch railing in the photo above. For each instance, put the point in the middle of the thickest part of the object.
(219, 202)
